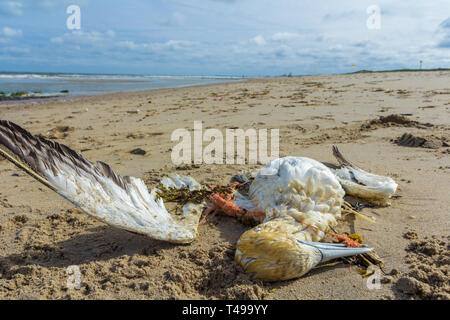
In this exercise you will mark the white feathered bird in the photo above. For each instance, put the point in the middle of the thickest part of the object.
(302, 199)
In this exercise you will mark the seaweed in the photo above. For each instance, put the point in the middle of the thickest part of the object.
(184, 195)
(19, 94)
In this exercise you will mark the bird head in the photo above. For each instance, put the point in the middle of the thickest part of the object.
(275, 256)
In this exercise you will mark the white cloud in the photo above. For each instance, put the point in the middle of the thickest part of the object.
(258, 40)
(157, 47)
(226, 1)
(283, 51)
(80, 37)
(53, 3)
(176, 19)
(57, 40)
(48, 3)
(178, 44)
(110, 33)
(10, 32)
(11, 8)
(285, 36)
(130, 45)
(444, 34)
(233, 36)
(15, 50)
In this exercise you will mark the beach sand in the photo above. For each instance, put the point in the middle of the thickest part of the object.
(41, 234)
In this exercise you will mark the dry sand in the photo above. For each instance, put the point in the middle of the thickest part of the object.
(41, 234)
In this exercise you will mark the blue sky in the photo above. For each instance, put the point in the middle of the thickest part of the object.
(222, 37)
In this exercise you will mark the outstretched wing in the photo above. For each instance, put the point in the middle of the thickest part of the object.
(123, 202)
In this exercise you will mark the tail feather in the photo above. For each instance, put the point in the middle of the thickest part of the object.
(340, 158)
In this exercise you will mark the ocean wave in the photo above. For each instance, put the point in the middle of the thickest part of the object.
(86, 84)
(79, 76)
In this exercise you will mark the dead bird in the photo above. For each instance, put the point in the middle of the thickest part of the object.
(297, 199)
(302, 200)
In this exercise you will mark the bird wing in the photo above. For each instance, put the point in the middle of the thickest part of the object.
(363, 184)
(123, 202)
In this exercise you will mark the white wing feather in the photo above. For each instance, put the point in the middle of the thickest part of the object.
(363, 184)
(123, 202)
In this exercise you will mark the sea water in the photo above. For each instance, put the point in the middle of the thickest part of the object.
(88, 84)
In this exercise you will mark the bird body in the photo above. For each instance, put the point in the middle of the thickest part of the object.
(299, 187)
(302, 199)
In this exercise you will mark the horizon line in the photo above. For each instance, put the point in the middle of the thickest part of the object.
(221, 75)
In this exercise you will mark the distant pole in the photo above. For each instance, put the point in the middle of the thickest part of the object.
(420, 64)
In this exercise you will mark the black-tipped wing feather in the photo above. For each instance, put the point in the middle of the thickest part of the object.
(123, 202)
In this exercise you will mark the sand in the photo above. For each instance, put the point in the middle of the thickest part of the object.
(366, 115)
(429, 261)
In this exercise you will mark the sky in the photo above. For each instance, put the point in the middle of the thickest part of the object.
(223, 37)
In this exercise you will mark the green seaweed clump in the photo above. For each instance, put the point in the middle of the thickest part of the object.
(184, 195)
(19, 94)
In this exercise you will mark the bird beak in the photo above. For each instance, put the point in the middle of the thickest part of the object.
(332, 251)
